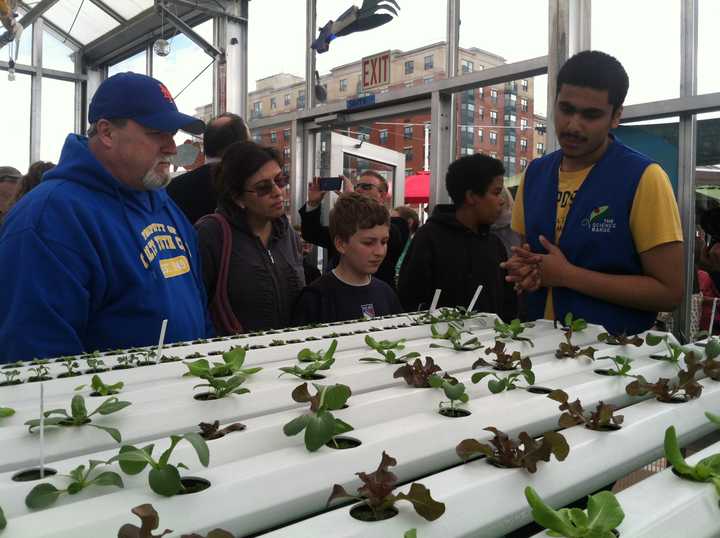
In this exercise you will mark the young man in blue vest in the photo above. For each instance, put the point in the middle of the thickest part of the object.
(601, 222)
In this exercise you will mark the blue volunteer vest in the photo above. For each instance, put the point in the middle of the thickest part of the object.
(596, 235)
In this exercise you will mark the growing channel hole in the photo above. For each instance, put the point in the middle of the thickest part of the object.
(193, 484)
(455, 413)
(28, 475)
(539, 390)
(343, 443)
(363, 512)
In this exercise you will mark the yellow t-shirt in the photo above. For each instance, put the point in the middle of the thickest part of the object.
(654, 217)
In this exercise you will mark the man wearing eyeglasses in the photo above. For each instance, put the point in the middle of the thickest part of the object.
(372, 185)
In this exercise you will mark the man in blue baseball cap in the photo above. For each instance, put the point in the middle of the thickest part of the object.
(98, 255)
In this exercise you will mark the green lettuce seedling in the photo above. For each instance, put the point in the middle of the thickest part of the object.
(377, 493)
(711, 366)
(101, 388)
(454, 391)
(446, 314)
(504, 361)
(622, 365)
(603, 418)
(416, 374)
(567, 349)
(6, 412)
(306, 355)
(44, 495)
(674, 351)
(79, 416)
(71, 366)
(706, 470)
(524, 453)
(41, 372)
(319, 424)
(126, 361)
(11, 377)
(620, 339)
(387, 349)
(453, 334)
(502, 383)
(603, 514)
(164, 478)
(232, 364)
(512, 330)
(310, 371)
(96, 365)
(684, 387)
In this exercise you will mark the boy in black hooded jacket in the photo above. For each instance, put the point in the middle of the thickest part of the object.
(455, 251)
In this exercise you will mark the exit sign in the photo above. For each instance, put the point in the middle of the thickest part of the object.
(376, 71)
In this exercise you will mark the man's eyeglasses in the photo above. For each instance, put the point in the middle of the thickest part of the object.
(265, 187)
(368, 187)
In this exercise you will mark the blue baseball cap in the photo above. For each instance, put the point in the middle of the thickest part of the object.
(142, 99)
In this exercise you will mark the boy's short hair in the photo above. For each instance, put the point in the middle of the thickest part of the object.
(353, 212)
(596, 70)
(471, 173)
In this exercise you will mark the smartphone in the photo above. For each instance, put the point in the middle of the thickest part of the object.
(330, 183)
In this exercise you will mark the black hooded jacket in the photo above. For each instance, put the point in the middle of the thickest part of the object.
(446, 254)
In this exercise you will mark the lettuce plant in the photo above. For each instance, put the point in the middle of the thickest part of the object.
(3, 521)
(319, 424)
(525, 452)
(232, 364)
(453, 334)
(603, 418)
(150, 521)
(306, 355)
(603, 514)
(6, 412)
(674, 351)
(387, 349)
(210, 431)
(682, 388)
(446, 314)
(44, 495)
(711, 366)
(40, 373)
(454, 391)
(11, 377)
(310, 371)
(376, 493)
(96, 365)
(79, 416)
(622, 366)
(504, 361)
(101, 389)
(164, 478)
(126, 361)
(620, 339)
(418, 374)
(502, 383)
(706, 470)
(71, 367)
(512, 330)
(567, 349)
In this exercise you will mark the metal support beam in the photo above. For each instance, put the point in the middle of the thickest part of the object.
(204, 8)
(310, 24)
(580, 18)
(558, 53)
(29, 18)
(297, 175)
(36, 92)
(452, 62)
(236, 59)
(109, 11)
(441, 117)
(32, 70)
(191, 34)
(686, 159)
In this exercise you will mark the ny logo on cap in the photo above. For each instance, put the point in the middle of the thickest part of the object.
(166, 93)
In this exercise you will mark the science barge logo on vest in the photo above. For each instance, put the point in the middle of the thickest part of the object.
(600, 220)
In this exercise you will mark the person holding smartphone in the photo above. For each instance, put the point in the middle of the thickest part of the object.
(251, 257)
(372, 185)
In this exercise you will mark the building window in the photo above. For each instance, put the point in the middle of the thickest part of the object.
(364, 133)
(408, 153)
(524, 104)
(510, 119)
(343, 85)
(301, 100)
(273, 103)
(257, 138)
(523, 124)
(257, 109)
(480, 135)
(493, 137)
(494, 96)
(409, 84)
(409, 67)
(523, 144)
(286, 169)
(286, 134)
(273, 137)
(481, 92)
(428, 61)
(286, 100)
(427, 80)
(408, 132)
(467, 66)
(383, 136)
(493, 117)
(510, 138)
(525, 85)
(481, 113)
(286, 153)
(523, 164)
(540, 148)
(408, 172)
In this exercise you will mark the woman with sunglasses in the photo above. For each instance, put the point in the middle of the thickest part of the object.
(251, 256)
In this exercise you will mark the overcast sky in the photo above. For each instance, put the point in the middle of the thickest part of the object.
(643, 34)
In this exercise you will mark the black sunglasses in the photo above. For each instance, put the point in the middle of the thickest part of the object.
(265, 187)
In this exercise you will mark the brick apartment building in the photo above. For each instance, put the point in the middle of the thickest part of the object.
(497, 120)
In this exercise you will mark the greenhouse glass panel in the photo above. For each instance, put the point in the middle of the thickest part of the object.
(91, 22)
(128, 8)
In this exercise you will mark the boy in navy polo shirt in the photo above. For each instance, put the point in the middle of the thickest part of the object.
(359, 230)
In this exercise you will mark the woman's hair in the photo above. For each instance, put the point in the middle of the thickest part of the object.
(32, 179)
(408, 213)
(239, 163)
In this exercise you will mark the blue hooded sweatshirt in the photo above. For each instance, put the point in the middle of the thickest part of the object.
(87, 263)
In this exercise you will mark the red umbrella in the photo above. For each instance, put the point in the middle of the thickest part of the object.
(417, 188)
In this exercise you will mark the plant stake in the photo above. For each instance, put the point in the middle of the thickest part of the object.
(436, 299)
(162, 340)
(42, 430)
(475, 298)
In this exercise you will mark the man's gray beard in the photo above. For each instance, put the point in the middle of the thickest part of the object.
(153, 181)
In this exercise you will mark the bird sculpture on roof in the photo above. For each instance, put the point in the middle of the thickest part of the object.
(356, 19)
(8, 18)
